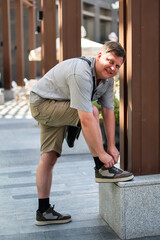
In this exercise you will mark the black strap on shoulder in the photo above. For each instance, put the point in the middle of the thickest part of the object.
(93, 78)
(85, 59)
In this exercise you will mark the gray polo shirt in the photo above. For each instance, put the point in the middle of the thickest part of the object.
(72, 80)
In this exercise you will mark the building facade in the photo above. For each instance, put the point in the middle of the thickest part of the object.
(99, 18)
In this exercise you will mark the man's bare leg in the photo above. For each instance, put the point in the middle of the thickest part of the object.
(45, 214)
(44, 174)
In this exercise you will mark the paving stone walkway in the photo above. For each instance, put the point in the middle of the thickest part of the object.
(73, 191)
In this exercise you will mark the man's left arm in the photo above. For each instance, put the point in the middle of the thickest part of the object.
(109, 125)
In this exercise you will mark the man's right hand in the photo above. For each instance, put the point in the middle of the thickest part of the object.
(107, 160)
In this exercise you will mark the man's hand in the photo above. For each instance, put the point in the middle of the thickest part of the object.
(112, 150)
(92, 134)
(107, 160)
(109, 124)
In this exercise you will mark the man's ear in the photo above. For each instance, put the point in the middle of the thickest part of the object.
(99, 55)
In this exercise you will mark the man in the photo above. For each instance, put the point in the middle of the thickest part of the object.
(63, 97)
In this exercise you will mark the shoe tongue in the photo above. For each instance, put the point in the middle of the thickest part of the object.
(117, 169)
(104, 168)
(112, 169)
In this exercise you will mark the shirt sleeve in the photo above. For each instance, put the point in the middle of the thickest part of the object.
(80, 92)
(107, 99)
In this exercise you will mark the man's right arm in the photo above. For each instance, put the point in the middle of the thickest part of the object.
(93, 137)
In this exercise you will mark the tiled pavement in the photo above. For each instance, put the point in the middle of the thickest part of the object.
(73, 191)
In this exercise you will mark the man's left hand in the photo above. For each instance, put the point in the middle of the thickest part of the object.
(112, 150)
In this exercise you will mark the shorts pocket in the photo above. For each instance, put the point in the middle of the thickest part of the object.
(34, 110)
(42, 111)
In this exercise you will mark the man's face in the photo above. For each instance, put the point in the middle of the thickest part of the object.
(107, 65)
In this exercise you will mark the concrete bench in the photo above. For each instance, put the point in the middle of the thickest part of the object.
(132, 209)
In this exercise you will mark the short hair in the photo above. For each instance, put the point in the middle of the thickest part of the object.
(114, 47)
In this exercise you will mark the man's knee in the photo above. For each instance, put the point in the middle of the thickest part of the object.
(49, 158)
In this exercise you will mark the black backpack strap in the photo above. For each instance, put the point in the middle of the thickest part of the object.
(86, 59)
(93, 78)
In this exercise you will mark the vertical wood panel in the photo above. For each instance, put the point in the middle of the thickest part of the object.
(42, 42)
(150, 86)
(48, 35)
(70, 28)
(123, 89)
(19, 42)
(129, 36)
(121, 77)
(6, 34)
(159, 93)
(142, 107)
(134, 87)
(32, 39)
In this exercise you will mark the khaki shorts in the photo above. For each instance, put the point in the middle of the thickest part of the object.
(53, 118)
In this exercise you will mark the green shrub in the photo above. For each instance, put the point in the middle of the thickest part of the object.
(116, 110)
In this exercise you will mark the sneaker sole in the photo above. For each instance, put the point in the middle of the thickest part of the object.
(42, 223)
(107, 180)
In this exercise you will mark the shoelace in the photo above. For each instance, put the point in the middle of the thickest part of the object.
(54, 212)
(117, 170)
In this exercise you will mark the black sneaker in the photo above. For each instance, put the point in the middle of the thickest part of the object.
(112, 174)
(51, 217)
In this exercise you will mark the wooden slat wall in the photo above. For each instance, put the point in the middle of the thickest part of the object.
(32, 39)
(70, 28)
(150, 85)
(48, 35)
(19, 42)
(6, 33)
(140, 23)
(7, 61)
